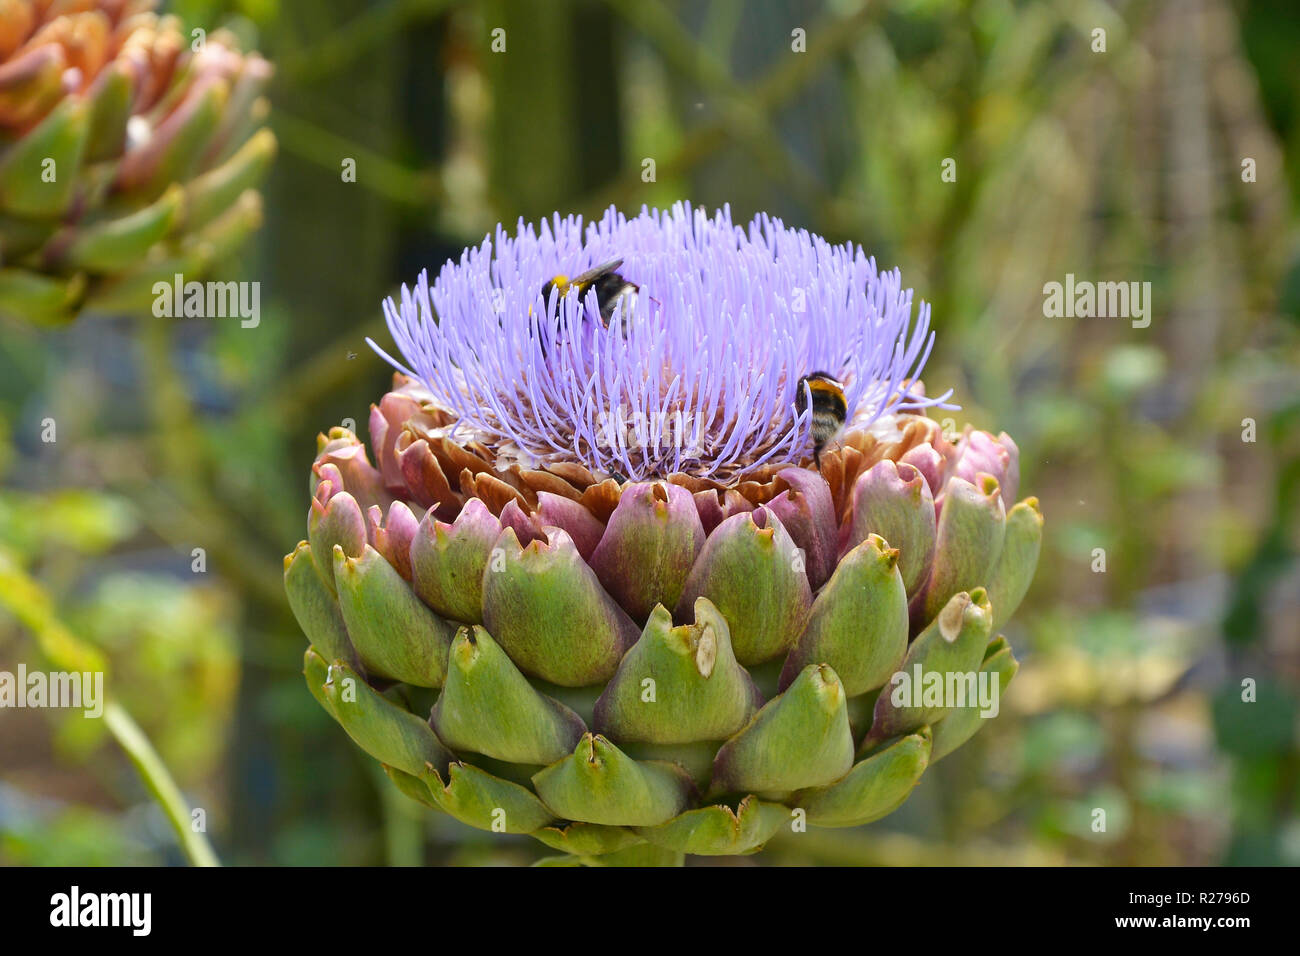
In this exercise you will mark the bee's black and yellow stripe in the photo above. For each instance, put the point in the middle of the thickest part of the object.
(830, 410)
(609, 285)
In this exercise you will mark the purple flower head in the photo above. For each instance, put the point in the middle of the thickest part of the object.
(696, 373)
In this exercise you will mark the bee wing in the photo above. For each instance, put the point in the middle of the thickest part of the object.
(591, 275)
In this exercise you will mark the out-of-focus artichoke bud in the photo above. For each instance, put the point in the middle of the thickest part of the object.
(125, 154)
(604, 617)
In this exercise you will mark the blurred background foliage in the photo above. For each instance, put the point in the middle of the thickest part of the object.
(1121, 165)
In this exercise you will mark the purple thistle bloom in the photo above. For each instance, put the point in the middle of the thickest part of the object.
(697, 373)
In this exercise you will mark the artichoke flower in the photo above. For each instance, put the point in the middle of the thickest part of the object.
(588, 585)
(128, 154)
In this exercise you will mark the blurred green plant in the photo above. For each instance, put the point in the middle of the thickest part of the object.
(134, 638)
(127, 154)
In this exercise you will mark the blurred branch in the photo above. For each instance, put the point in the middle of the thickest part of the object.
(160, 783)
(188, 515)
(24, 597)
(403, 823)
(186, 521)
(387, 178)
(182, 519)
(742, 114)
(26, 600)
(169, 403)
(828, 38)
(325, 372)
(345, 44)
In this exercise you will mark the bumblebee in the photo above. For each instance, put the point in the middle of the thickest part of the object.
(611, 288)
(829, 409)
